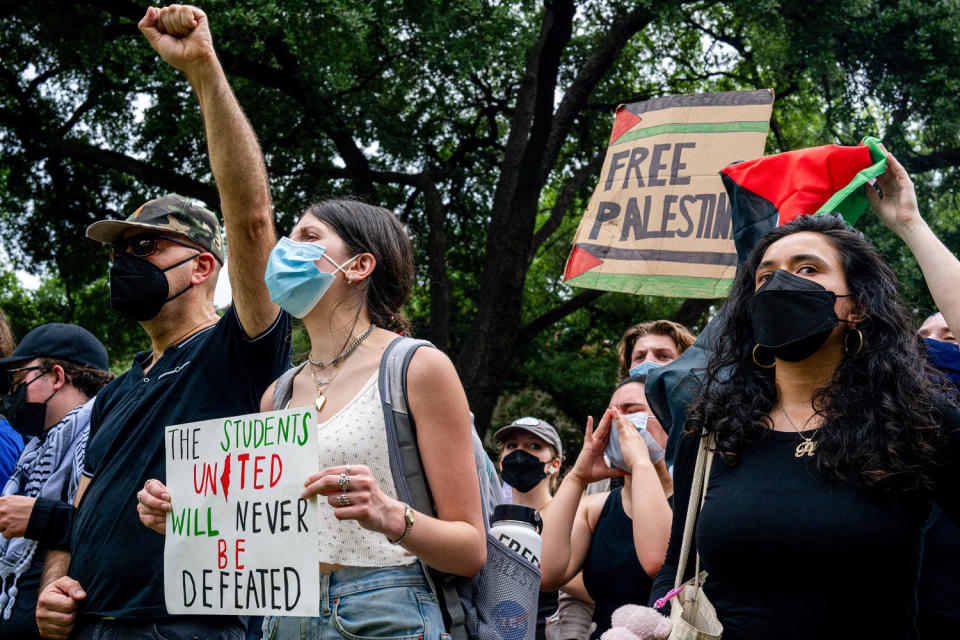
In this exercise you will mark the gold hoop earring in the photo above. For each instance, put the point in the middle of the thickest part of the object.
(758, 363)
(859, 346)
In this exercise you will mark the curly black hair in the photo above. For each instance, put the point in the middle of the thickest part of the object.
(882, 406)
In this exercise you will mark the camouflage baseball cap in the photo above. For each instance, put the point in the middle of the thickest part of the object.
(172, 214)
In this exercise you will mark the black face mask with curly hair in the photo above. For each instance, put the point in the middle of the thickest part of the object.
(792, 316)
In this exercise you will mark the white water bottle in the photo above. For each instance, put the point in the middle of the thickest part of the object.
(518, 528)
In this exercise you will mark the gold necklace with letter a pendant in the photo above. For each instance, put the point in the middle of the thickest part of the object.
(808, 446)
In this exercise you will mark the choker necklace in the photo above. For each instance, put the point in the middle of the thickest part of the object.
(808, 446)
(343, 354)
(321, 399)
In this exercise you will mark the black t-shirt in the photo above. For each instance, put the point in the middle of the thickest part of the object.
(791, 555)
(939, 591)
(214, 373)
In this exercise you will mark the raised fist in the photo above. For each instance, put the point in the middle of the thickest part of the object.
(181, 35)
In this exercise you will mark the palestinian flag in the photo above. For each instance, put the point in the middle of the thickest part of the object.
(773, 190)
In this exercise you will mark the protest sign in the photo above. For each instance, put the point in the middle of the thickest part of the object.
(240, 539)
(659, 220)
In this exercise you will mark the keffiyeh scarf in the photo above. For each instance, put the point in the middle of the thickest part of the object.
(43, 469)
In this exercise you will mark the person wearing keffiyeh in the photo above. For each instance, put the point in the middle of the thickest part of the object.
(47, 389)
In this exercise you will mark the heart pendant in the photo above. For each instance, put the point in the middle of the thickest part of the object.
(320, 401)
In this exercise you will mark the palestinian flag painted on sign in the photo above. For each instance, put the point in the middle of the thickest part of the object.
(659, 219)
(767, 192)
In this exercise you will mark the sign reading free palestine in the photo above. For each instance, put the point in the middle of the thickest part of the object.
(240, 540)
(659, 222)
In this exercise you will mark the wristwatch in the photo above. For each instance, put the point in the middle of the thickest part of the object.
(408, 518)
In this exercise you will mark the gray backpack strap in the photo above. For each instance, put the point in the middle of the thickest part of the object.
(406, 467)
(283, 392)
(405, 464)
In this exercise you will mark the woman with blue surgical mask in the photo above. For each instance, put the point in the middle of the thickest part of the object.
(346, 271)
(620, 533)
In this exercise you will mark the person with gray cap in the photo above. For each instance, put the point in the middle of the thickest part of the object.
(47, 386)
(530, 459)
(166, 257)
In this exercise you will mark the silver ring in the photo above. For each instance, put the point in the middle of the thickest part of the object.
(348, 470)
(344, 481)
(343, 499)
(140, 497)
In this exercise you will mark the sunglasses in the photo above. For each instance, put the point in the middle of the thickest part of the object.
(143, 245)
(10, 379)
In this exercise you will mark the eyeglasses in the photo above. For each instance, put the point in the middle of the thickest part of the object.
(10, 379)
(143, 245)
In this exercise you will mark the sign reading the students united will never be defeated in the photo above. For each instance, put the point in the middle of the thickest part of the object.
(659, 220)
(240, 540)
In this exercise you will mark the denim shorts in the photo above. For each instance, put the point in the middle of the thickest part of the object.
(390, 603)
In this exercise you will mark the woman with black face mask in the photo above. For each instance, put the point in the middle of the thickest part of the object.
(530, 458)
(830, 440)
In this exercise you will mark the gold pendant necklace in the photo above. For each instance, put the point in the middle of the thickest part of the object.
(808, 446)
(321, 399)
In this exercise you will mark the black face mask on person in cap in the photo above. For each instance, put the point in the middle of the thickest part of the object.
(27, 418)
(522, 470)
(792, 316)
(139, 288)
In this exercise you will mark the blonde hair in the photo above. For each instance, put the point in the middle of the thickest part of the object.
(680, 335)
(7, 343)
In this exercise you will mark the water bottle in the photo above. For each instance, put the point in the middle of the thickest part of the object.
(518, 527)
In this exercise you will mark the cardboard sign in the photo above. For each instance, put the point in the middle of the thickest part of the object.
(659, 220)
(240, 539)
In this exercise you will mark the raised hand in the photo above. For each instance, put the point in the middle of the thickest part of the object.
(181, 35)
(153, 505)
(590, 465)
(898, 208)
(637, 447)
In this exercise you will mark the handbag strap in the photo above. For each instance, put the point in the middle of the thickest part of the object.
(698, 493)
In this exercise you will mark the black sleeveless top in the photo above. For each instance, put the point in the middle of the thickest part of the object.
(611, 572)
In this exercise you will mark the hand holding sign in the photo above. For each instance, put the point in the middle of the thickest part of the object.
(153, 504)
(354, 494)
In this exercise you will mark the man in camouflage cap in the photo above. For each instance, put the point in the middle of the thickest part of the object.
(171, 214)
(165, 260)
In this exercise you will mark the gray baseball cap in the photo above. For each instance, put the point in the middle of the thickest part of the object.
(540, 428)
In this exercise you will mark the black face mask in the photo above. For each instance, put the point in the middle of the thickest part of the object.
(792, 316)
(138, 287)
(522, 471)
(28, 418)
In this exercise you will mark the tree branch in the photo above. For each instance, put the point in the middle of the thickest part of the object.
(556, 314)
(624, 27)
(565, 198)
(144, 171)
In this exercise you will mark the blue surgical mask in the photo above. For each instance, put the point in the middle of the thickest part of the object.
(613, 456)
(644, 368)
(294, 280)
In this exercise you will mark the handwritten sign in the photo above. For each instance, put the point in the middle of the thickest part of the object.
(240, 539)
(659, 220)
